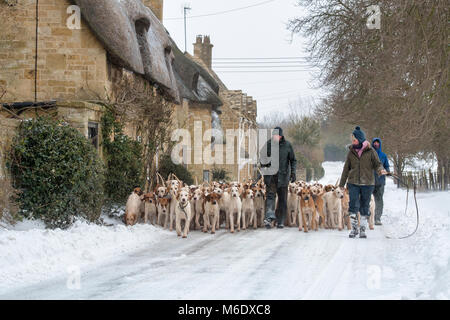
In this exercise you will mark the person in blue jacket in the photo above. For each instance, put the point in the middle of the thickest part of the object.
(380, 181)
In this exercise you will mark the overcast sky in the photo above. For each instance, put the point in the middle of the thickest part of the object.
(256, 32)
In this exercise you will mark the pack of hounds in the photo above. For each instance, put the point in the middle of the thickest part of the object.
(237, 206)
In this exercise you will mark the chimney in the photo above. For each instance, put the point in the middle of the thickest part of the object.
(203, 50)
(156, 6)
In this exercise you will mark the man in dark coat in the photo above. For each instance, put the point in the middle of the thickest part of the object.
(277, 182)
(380, 181)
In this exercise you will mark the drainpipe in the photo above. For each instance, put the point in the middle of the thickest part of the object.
(36, 54)
(239, 150)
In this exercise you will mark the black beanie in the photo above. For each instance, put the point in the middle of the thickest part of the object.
(359, 134)
(280, 131)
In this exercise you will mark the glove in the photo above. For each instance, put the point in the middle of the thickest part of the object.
(293, 177)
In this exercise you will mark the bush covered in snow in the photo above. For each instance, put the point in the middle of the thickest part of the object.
(57, 172)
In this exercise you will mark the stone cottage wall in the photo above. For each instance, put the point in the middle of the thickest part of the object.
(72, 64)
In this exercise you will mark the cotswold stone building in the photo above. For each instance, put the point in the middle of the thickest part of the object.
(238, 111)
(51, 60)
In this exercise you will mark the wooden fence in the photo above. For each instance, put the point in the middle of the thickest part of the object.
(426, 180)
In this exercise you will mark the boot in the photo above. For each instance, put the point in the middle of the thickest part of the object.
(363, 227)
(354, 220)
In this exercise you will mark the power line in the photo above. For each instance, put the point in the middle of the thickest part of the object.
(285, 97)
(261, 58)
(269, 71)
(278, 94)
(226, 63)
(271, 81)
(223, 12)
(250, 67)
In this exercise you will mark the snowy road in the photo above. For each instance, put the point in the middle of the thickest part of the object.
(262, 264)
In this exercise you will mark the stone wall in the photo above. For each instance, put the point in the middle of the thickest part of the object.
(77, 114)
(198, 114)
(72, 64)
(236, 106)
(7, 132)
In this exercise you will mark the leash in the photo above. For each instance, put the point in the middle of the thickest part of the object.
(400, 181)
(183, 208)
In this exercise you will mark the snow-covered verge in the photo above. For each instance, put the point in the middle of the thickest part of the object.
(423, 260)
(29, 253)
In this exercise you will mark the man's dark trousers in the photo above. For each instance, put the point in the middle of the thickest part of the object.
(272, 189)
(378, 195)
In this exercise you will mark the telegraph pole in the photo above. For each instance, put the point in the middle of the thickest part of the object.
(186, 9)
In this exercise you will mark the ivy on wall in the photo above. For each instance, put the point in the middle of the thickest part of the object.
(123, 157)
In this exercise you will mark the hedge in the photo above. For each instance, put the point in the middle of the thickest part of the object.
(57, 172)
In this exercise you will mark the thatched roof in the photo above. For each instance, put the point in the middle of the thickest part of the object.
(194, 82)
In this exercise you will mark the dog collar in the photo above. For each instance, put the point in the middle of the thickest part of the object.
(183, 208)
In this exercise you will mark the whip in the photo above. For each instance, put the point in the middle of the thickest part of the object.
(400, 181)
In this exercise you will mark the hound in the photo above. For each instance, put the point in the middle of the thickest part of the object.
(150, 210)
(248, 207)
(183, 212)
(317, 194)
(172, 180)
(333, 208)
(133, 207)
(260, 199)
(307, 214)
(170, 219)
(211, 211)
(197, 207)
(161, 191)
(163, 210)
(235, 207)
(224, 203)
(345, 206)
(292, 205)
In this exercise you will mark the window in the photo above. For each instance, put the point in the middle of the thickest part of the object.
(93, 133)
(206, 175)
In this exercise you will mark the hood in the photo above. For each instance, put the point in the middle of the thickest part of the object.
(379, 140)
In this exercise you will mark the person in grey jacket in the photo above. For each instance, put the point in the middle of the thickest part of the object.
(277, 183)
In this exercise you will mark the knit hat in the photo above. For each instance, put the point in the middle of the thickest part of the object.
(280, 131)
(359, 134)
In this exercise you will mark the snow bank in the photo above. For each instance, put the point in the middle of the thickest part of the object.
(30, 254)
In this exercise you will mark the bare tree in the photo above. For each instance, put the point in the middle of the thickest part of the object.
(392, 81)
